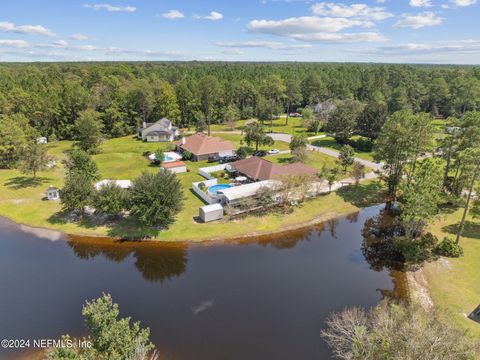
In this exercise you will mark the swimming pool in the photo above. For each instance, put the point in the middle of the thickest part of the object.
(215, 188)
(167, 158)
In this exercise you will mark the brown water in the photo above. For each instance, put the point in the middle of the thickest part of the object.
(262, 299)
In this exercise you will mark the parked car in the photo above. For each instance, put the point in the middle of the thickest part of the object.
(212, 159)
(228, 159)
(273, 151)
(260, 153)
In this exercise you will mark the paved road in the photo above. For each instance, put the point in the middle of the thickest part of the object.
(316, 137)
(287, 138)
(331, 152)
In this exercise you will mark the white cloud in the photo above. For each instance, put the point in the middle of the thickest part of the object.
(459, 46)
(302, 25)
(274, 45)
(418, 21)
(464, 2)
(111, 8)
(360, 11)
(214, 16)
(65, 45)
(315, 28)
(173, 14)
(20, 44)
(7, 26)
(420, 3)
(79, 37)
(232, 52)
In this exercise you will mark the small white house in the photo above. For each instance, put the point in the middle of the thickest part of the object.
(53, 193)
(42, 140)
(211, 212)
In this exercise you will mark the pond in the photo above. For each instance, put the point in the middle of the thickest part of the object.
(266, 298)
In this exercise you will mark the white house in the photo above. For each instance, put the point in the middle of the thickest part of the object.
(42, 140)
(53, 193)
(159, 131)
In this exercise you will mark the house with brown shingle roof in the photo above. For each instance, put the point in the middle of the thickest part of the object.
(259, 169)
(203, 146)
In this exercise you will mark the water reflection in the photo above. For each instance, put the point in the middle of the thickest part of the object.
(377, 245)
(284, 240)
(258, 298)
(154, 261)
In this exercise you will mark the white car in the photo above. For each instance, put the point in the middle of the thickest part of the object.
(274, 151)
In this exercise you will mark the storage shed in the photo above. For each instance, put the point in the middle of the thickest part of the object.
(211, 212)
(175, 166)
(52, 193)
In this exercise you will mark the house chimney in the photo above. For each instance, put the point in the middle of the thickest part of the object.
(184, 141)
(144, 124)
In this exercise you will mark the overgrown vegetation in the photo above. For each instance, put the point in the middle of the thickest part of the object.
(393, 332)
(110, 337)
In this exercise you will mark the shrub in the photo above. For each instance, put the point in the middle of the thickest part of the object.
(155, 199)
(187, 155)
(110, 199)
(202, 187)
(363, 144)
(418, 250)
(242, 152)
(449, 248)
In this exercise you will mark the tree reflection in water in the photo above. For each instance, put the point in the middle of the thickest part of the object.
(377, 246)
(156, 262)
(284, 240)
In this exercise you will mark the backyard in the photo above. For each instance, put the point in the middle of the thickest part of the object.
(455, 283)
(122, 158)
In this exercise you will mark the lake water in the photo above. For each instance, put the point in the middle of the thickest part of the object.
(266, 298)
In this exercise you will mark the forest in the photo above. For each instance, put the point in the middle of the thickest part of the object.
(49, 97)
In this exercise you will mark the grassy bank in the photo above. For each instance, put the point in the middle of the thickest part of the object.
(455, 283)
(22, 198)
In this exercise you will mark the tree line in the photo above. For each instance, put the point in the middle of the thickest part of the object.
(51, 97)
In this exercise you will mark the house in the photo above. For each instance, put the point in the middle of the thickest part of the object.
(124, 184)
(159, 131)
(324, 108)
(53, 193)
(259, 169)
(175, 166)
(202, 146)
(211, 212)
(42, 140)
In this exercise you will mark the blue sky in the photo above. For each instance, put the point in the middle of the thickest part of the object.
(413, 31)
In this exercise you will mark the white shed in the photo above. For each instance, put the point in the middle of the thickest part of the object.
(42, 140)
(53, 193)
(175, 166)
(211, 212)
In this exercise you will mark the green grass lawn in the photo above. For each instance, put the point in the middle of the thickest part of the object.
(315, 159)
(455, 286)
(238, 140)
(22, 199)
(293, 127)
(329, 142)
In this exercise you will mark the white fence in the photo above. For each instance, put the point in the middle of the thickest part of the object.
(204, 195)
(206, 172)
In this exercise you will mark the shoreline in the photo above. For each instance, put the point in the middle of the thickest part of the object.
(55, 235)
